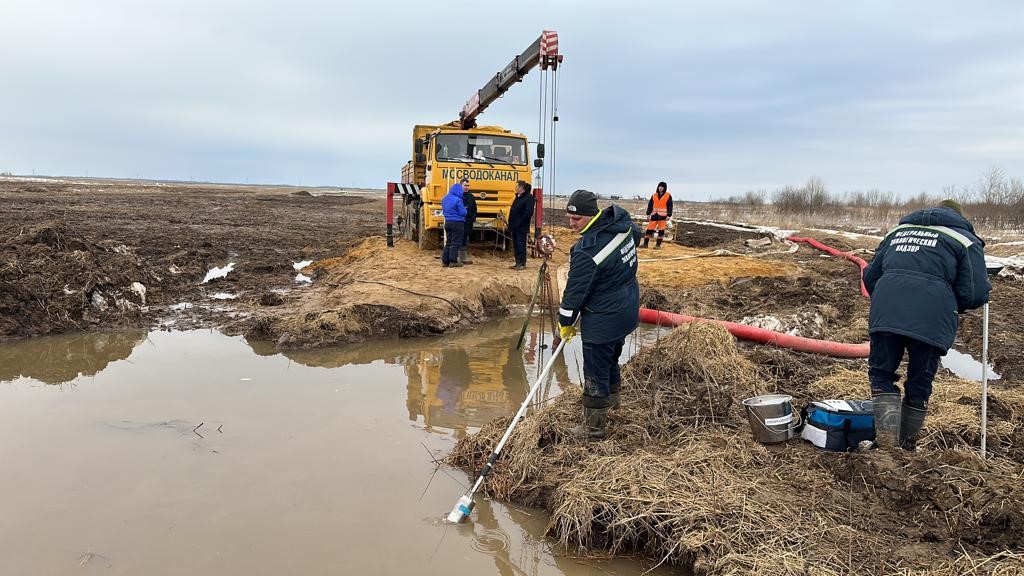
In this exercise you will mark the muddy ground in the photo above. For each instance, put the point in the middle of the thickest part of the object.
(71, 253)
(100, 255)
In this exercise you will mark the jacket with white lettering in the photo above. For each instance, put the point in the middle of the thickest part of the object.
(926, 272)
(602, 286)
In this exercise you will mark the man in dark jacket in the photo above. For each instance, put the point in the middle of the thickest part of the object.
(470, 202)
(602, 291)
(926, 272)
(454, 224)
(519, 217)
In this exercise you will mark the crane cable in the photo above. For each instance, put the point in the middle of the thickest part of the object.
(554, 138)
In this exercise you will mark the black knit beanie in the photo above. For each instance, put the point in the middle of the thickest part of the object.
(582, 203)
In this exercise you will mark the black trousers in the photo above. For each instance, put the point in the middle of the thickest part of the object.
(453, 232)
(468, 230)
(886, 354)
(601, 375)
(519, 247)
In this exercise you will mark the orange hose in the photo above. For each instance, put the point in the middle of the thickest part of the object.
(762, 336)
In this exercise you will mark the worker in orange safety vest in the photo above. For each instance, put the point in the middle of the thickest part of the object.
(659, 211)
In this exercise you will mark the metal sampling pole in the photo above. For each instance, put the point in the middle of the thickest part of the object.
(984, 380)
(992, 268)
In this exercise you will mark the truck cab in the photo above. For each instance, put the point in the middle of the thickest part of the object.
(492, 158)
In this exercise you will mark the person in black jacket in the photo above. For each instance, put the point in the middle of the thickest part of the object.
(926, 272)
(603, 293)
(470, 202)
(519, 217)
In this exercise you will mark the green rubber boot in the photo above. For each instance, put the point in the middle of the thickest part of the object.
(911, 422)
(616, 400)
(887, 418)
(595, 424)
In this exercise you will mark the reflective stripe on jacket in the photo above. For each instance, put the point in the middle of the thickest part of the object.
(602, 288)
(660, 205)
(926, 272)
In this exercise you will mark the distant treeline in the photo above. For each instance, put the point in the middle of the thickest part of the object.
(995, 200)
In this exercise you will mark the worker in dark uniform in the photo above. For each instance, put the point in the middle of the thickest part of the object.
(470, 202)
(926, 272)
(519, 217)
(602, 291)
(659, 212)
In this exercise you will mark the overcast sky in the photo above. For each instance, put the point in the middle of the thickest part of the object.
(714, 97)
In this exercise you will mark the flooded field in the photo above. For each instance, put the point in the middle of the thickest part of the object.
(196, 453)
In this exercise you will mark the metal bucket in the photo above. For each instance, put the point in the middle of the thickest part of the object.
(771, 418)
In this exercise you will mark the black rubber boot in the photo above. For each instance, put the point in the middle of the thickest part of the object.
(464, 256)
(647, 240)
(886, 407)
(616, 400)
(911, 422)
(595, 424)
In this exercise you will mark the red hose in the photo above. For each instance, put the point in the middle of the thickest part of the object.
(760, 335)
(858, 261)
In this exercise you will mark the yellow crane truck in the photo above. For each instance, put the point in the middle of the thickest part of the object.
(493, 158)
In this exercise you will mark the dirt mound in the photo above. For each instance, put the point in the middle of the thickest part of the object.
(372, 291)
(53, 280)
(678, 267)
(808, 296)
(1006, 339)
(698, 235)
(682, 481)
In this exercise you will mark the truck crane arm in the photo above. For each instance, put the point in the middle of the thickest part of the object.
(543, 51)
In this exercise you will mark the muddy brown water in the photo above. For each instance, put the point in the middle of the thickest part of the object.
(196, 453)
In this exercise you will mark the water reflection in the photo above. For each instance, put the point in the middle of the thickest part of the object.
(61, 359)
(297, 454)
(456, 382)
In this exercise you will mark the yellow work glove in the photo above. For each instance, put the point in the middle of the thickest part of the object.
(566, 332)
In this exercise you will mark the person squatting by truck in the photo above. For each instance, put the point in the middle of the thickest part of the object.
(926, 272)
(603, 293)
(519, 217)
(454, 224)
(659, 212)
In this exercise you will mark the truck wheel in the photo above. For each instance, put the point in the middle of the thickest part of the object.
(428, 239)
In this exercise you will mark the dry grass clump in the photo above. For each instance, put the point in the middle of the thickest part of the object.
(694, 374)
(681, 480)
(709, 505)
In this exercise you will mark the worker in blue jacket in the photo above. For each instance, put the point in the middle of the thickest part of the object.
(603, 293)
(926, 272)
(454, 224)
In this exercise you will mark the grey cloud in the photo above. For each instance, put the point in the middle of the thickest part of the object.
(714, 97)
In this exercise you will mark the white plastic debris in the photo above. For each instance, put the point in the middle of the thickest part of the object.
(224, 296)
(216, 273)
(98, 301)
(301, 265)
(181, 306)
(140, 291)
(766, 322)
(847, 235)
(303, 279)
